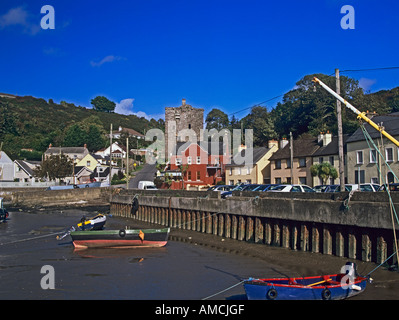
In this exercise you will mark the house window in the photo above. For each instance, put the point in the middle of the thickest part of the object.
(389, 154)
(302, 180)
(178, 161)
(198, 175)
(248, 170)
(359, 176)
(198, 160)
(375, 180)
(320, 159)
(288, 163)
(277, 180)
(248, 181)
(189, 175)
(277, 164)
(88, 163)
(238, 171)
(359, 157)
(231, 182)
(373, 156)
(332, 160)
(302, 162)
(188, 160)
(230, 171)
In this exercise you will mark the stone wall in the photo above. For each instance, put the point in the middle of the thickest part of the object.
(320, 223)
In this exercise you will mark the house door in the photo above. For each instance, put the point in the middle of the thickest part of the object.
(390, 178)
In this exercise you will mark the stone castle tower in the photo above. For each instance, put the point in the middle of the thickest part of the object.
(180, 118)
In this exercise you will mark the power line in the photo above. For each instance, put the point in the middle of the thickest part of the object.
(370, 69)
(258, 104)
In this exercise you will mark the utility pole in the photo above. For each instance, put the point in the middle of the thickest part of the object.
(340, 135)
(127, 163)
(292, 158)
(110, 155)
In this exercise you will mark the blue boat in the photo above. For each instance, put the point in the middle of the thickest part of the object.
(327, 287)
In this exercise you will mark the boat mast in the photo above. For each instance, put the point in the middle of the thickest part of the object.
(360, 115)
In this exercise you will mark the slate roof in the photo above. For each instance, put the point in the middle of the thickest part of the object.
(332, 147)
(257, 154)
(390, 122)
(304, 147)
(210, 147)
(58, 150)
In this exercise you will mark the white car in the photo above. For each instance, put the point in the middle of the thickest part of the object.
(292, 188)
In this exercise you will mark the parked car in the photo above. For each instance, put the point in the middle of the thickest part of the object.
(220, 188)
(292, 188)
(371, 187)
(226, 194)
(265, 187)
(336, 187)
(320, 188)
(392, 187)
(250, 187)
(147, 185)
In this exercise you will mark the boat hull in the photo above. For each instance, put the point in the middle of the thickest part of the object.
(303, 288)
(120, 238)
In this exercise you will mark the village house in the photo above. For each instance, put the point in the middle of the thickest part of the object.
(6, 167)
(257, 172)
(130, 132)
(365, 165)
(328, 152)
(198, 164)
(303, 149)
(74, 153)
(24, 171)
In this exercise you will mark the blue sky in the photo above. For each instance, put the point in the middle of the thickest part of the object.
(146, 55)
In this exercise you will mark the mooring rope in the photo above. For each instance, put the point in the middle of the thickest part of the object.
(227, 289)
(33, 238)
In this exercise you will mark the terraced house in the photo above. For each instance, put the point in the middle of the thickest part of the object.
(303, 150)
(364, 161)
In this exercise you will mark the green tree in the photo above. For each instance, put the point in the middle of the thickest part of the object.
(55, 167)
(260, 120)
(95, 139)
(217, 119)
(75, 136)
(102, 104)
(324, 171)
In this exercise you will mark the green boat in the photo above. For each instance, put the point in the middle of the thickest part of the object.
(125, 238)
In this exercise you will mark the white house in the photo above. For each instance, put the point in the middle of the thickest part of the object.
(6, 167)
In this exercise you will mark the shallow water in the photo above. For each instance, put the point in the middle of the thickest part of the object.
(177, 271)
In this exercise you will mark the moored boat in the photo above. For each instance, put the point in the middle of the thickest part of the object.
(125, 238)
(3, 211)
(327, 287)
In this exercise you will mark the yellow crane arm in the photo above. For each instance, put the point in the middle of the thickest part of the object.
(360, 115)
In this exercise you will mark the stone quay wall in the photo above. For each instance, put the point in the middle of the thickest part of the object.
(356, 227)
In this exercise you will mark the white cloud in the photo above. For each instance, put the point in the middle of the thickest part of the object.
(126, 107)
(19, 16)
(106, 59)
(366, 83)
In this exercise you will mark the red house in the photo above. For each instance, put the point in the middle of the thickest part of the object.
(199, 164)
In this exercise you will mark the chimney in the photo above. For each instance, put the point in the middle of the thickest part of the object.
(320, 138)
(283, 143)
(327, 138)
(272, 143)
(183, 102)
